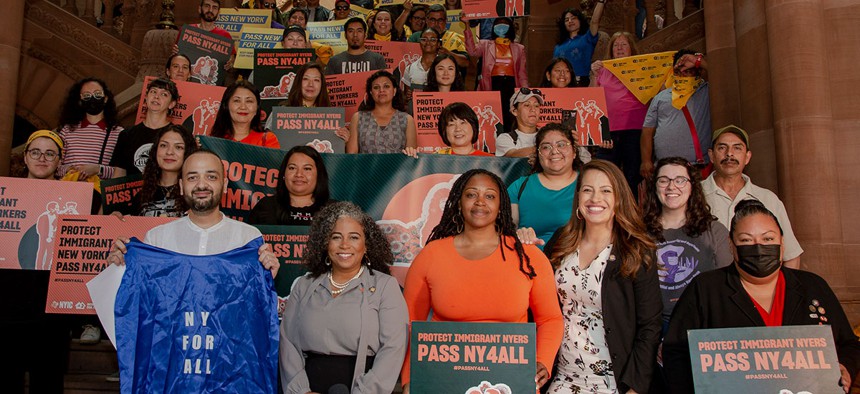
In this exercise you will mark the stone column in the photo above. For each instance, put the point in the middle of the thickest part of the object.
(10, 60)
(722, 60)
(803, 123)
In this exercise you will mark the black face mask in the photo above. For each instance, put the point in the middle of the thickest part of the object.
(93, 106)
(759, 260)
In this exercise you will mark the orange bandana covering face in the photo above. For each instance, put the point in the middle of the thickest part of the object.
(682, 89)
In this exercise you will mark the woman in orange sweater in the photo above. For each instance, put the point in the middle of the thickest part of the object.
(475, 244)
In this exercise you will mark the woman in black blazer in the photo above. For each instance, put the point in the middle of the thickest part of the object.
(748, 294)
(607, 284)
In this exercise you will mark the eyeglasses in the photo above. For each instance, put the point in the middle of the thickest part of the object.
(547, 148)
(98, 95)
(437, 20)
(663, 181)
(341, 7)
(427, 39)
(36, 154)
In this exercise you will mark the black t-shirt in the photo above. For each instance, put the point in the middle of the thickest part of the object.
(159, 205)
(268, 211)
(132, 148)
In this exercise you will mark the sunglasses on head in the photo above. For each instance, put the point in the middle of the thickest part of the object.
(530, 91)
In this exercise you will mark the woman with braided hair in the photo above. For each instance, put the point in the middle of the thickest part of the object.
(474, 245)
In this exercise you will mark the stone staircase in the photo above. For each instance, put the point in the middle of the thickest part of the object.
(89, 365)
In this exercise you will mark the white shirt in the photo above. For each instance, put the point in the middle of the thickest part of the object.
(504, 142)
(723, 207)
(183, 236)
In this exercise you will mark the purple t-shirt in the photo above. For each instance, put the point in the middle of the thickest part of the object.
(625, 111)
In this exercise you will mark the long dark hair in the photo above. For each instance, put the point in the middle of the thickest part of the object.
(320, 194)
(152, 172)
(452, 219)
(371, 30)
(563, 34)
(433, 85)
(397, 101)
(72, 113)
(545, 82)
(294, 98)
(629, 236)
(415, 8)
(568, 134)
(223, 127)
(698, 213)
(377, 256)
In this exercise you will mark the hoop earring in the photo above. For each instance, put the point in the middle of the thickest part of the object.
(458, 221)
(579, 214)
(327, 261)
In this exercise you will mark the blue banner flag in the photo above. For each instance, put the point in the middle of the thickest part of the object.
(196, 324)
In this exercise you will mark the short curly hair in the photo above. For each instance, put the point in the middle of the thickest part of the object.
(378, 254)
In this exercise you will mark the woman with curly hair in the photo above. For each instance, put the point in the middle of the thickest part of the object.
(577, 38)
(689, 239)
(381, 26)
(443, 75)
(604, 253)
(89, 128)
(345, 325)
(476, 240)
(238, 117)
(301, 192)
(381, 124)
(160, 194)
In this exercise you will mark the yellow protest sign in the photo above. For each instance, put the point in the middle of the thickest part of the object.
(643, 75)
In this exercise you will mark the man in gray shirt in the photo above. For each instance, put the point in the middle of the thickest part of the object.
(357, 58)
(666, 131)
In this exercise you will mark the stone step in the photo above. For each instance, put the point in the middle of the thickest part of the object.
(99, 358)
(82, 383)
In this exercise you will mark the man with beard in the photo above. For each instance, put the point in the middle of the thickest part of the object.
(678, 122)
(205, 231)
(209, 10)
(727, 186)
(133, 144)
(357, 58)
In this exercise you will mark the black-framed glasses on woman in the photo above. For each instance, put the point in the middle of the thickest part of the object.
(663, 181)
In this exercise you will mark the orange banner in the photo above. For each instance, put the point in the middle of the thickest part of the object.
(347, 91)
(196, 109)
(28, 218)
(582, 109)
(426, 106)
(81, 250)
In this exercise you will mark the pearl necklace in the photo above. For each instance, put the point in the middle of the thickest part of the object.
(340, 287)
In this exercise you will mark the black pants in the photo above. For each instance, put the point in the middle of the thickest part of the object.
(325, 371)
(625, 154)
(506, 85)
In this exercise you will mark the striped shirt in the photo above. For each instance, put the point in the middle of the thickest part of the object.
(84, 146)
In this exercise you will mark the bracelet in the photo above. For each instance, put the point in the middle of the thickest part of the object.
(699, 60)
